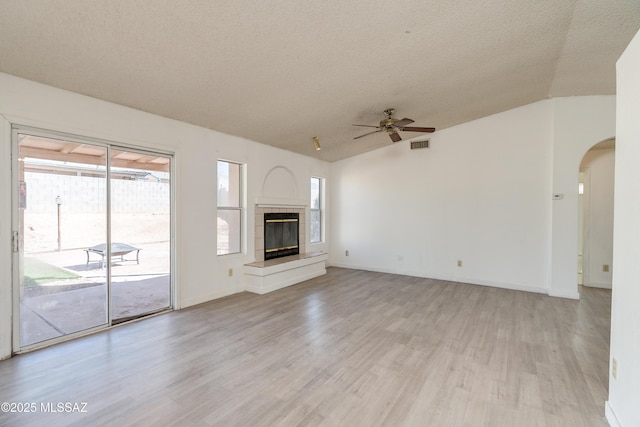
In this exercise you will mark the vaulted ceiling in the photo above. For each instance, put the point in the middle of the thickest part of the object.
(280, 72)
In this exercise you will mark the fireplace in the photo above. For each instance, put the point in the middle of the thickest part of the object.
(281, 234)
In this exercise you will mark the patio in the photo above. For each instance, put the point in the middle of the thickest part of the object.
(70, 305)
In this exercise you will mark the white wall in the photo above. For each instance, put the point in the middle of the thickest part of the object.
(481, 194)
(624, 392)
(598, 166)
(579, 123)
(200, 274)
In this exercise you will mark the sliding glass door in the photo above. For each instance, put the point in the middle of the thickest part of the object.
(140, 234)
(62, 211)
(92, 235)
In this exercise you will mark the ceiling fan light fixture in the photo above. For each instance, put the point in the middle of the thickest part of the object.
(316, 143)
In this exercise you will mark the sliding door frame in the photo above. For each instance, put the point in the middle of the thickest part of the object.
(17, 239)
(172, 293)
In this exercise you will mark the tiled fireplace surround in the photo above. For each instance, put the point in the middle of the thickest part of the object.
(266, 276)
(259, 227)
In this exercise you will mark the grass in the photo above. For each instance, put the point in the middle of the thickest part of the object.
(38, 273)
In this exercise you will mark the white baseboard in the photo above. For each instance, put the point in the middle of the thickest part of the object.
(601, 285)
(188, 302)
(568, 295)
(457, 279)
(511, 286)
(610, 415)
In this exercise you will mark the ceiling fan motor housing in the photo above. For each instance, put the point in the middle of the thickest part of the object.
(388, 124)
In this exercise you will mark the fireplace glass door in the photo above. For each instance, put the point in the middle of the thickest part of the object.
(281, 234)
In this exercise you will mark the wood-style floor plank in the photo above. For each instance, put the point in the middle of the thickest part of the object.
(351, 348)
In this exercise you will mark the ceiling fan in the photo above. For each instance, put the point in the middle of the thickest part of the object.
(392, 126)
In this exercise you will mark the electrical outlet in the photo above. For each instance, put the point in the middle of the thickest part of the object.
(346, 253)
(605, 268)
(459, 263)
(230, 272)
(614, 368)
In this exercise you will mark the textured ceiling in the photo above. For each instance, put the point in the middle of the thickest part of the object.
(279, 72)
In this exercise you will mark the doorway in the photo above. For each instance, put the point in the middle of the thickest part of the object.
(92, 235)
(595, 215)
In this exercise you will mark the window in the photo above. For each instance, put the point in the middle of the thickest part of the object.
(229, 207)
(316, 210)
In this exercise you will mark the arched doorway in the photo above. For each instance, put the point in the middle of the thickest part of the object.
(595, 216)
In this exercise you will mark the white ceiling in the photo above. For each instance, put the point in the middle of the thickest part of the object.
(280, 72)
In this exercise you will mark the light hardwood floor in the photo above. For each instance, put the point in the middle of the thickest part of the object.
(351, 348)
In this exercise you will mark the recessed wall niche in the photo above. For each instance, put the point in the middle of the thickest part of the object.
(279, 195)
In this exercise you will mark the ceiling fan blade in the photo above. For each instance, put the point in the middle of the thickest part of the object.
(395, 137)
(369, 133)
(417, 129)
(403, 122)
(367, 126)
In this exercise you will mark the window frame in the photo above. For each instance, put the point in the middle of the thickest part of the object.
(319, 209)
(229, 208)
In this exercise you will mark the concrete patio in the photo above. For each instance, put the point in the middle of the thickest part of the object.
(66, 306)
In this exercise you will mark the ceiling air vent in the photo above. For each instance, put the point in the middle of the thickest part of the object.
(419, 144)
